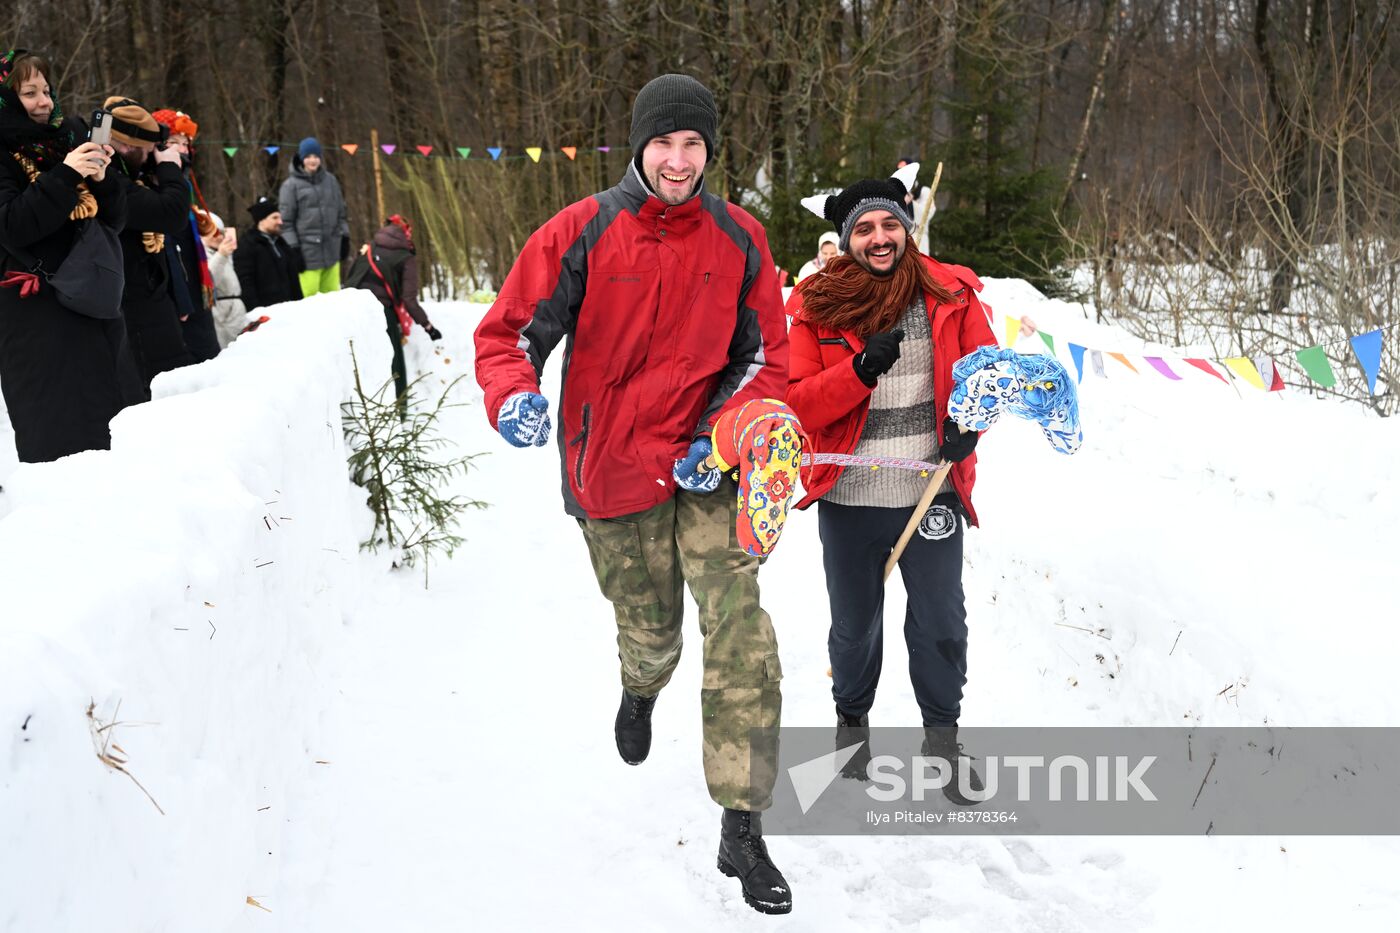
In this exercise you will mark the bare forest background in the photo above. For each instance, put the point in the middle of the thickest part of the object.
(1224, 172)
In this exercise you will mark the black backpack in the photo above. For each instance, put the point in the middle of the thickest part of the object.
(378, 264)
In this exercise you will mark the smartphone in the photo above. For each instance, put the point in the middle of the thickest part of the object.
(101, 129)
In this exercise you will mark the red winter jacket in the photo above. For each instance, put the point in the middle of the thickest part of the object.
(833, 403)
(673, 313)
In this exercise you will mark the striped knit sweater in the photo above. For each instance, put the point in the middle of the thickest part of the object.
(900, 423)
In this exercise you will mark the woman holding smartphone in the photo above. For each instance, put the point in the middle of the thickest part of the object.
(64, 374)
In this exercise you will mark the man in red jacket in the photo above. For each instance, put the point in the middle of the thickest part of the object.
(874, 339)
(672, 313)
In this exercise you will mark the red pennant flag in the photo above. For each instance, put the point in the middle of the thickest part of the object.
(426, 150)
(351, 148)
(1205, 367)
(569, 151)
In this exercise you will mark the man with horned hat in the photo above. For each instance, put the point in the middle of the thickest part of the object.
(874, 338)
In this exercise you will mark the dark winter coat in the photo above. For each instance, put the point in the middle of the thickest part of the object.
(832, 401)
(183, 252)
(64, 375)
(158, 205)
(266, 270)
(398, 262)
(673, 313)
(313, 215)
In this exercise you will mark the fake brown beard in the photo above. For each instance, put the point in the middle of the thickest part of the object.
(844, 295)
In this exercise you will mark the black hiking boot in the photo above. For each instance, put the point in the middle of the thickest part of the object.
(850, 730)
(942, 742)
(743, 855)
(633, 727)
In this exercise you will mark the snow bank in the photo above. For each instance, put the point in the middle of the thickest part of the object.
(186, 584)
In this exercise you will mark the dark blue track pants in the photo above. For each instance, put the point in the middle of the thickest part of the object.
(856, 542)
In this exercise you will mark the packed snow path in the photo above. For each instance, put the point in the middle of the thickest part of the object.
(473, 779)
(442, 759)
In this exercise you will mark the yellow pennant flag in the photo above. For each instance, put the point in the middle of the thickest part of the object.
(1243, 367)
(1013, 329)
(533, 152)
(1124, 360)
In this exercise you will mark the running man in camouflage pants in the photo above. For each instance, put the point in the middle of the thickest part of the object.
(641, 561)
(667, 301)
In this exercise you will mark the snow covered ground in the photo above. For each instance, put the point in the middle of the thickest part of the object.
(356, 752)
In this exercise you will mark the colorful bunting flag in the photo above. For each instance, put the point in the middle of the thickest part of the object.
(534, 152)
(388, 148)
(426, 150)
(1049, 341)
(495, 152)
(1159, 364)
(1205, 367)
(1314, 363)
(1013, 330)
(271, 150)
(1124, 360)
(350, 148)
(1077, 353)
(569, 151)
(1096, 358)
(1243, 367)
(605, 148)
(464, 151)
(230, 151)
(1367, 348)
(1269, 373)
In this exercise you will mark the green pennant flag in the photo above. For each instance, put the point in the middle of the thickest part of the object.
(1049, 341)
(230, 151)
(1314, 363)
(464, 151)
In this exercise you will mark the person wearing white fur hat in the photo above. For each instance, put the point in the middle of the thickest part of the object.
(828, 248)
(230, 315)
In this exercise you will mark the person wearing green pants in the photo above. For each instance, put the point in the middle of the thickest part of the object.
(313, 219)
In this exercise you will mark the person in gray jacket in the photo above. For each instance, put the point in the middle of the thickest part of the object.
(313, 219)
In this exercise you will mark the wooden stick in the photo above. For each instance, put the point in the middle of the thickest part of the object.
(378, 180)
(931, 490)
(928, 208)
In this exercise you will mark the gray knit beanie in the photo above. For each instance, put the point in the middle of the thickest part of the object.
(669, 104)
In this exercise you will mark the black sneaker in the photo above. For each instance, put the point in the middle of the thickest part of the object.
(743, 855)
(850, 730)
(942, 742)
(633, 727)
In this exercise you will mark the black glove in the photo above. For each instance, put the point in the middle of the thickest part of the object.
(956, 445)
(344, 248)
(880, 353)
(434, 333)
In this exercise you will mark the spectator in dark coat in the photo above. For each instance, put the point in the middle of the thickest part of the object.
(264, 262)
(64, 374)
(388, 267)
(192, 284)
(157, 207)
(313, 212)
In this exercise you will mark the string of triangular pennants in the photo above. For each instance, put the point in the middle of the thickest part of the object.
(231, 148)
(1262, 372)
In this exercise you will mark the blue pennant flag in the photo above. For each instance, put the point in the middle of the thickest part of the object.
(495, 152)
(271, 150)
(1076, 351)
(1367, 348)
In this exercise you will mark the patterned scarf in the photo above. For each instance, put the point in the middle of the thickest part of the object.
(45, 144)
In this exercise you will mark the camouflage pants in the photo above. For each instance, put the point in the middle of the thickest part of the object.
(641, 561)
